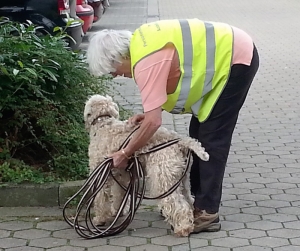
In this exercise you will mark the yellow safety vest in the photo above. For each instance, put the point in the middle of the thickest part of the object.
(205, 54)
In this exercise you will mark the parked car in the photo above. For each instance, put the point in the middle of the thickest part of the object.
(46, 13)
(86, 13)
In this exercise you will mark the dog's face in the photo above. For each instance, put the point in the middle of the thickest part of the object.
(99, 109)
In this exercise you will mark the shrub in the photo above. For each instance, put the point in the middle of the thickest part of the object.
(43, 88)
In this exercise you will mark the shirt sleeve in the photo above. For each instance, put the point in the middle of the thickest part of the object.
(151, 76)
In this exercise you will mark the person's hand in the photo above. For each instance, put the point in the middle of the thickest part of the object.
(136, 119)
(119, 159)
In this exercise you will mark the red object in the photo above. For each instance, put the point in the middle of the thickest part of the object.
(85, 13)
(98, 11)
(63, 6)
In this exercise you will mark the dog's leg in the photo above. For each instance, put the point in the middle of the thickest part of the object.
(118, 192)
(187, 186)
(177, 210)
(102, 205)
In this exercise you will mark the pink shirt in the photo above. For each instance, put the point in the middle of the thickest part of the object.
(159, 72)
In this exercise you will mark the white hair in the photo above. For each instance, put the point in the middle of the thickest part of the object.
(105, 48)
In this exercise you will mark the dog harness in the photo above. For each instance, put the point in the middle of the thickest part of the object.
(205, 55)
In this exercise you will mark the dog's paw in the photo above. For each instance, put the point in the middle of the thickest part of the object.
(99, 221)
(183, 232)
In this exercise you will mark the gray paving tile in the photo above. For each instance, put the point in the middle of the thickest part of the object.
(148, 216)
(237, 191)
(48, 242)
(31, 234)
(107, 248)
(184, 247)
(169, 240)
(254, 197)
(15, 225)
(24, 249)
(268, 191)
(287, 248)
(66, 248)
(264, 225)
(273, 203)
(209, 236)
(261, 211)
(289, 210)
(196, 243)
(211, 248)
(293, 191)
(270, 242)
(53, 225)
(149, 247)
(149, 232)
(280, 217)
(66, 234)
(231, 225)
(242, 217)
(239, 203)
(295, 241)
(230, 242)
(88, 243)
(284, 233)
(247, 233)
(128, 241)
(160, 224)
(135, 224)
(4, 233)
(224, 210)
(12, 242)
(292, 225)
(252, 248)
(281, 185)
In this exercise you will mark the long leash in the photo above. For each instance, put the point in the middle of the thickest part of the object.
(82, 221)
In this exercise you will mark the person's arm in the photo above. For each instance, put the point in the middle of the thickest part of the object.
(150, 124)
(151, 75)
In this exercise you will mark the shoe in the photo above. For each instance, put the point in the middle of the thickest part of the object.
(205, 222)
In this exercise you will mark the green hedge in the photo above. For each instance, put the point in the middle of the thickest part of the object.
(43, 88)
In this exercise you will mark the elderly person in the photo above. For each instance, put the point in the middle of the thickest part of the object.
(184, 66)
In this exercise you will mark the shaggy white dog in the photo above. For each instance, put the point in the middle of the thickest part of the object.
(163, 168)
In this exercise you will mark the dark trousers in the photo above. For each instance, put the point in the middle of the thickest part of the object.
(215, 134)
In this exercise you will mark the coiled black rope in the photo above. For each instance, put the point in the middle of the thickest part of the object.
(135, 190)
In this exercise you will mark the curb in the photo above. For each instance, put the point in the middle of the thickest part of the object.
(37, 195)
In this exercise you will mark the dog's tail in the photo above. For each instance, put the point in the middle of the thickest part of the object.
(195, 146)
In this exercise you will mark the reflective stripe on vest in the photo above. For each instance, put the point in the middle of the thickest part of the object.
(188, 61)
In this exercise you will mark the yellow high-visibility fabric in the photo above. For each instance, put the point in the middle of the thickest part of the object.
(205, 54)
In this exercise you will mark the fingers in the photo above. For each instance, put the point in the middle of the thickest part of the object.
(136, 119)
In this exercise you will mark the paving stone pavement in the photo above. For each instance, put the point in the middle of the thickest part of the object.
(261, 203)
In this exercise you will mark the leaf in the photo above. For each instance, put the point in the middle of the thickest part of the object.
(15, 72)
(51, 75)
(20, 63)
(4, 70)
(38, 44)
(33, 72)
(54, 62)
(57, 29)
